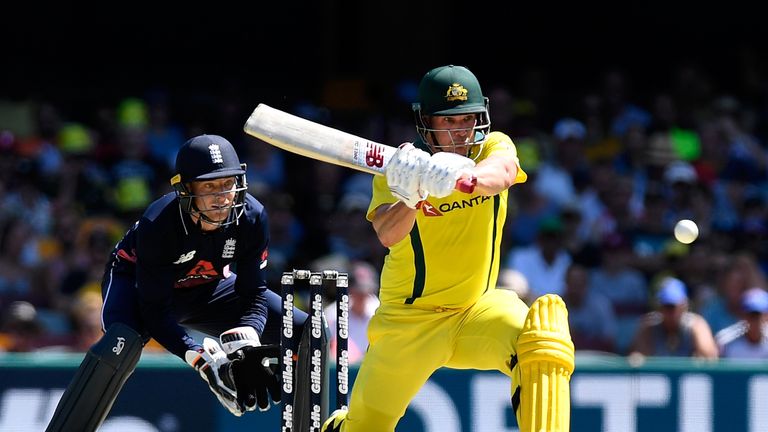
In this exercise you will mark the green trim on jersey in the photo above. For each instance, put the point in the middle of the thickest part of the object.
(419, 265)
(451, 256)
(496, 205)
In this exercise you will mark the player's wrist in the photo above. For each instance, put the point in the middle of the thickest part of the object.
(195, 357)
(239, 337)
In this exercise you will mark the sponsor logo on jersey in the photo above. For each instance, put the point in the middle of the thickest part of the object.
(229, 248)
(462, 204)
(428, 209)
(202, 272)
(184, 257)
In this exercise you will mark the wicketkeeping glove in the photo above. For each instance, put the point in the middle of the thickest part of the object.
(442, 171)
(254, 379)
(404, 173)
(213, 364)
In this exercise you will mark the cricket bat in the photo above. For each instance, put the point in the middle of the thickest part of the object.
(323, 143)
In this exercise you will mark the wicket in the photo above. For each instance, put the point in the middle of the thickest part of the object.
(288, 349)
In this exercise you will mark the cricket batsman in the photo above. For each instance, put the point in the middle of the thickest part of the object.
(439, 306)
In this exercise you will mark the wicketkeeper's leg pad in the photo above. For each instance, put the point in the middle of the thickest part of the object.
(91, 393)
(545, 356)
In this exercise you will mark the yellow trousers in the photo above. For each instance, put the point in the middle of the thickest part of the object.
(408, 344)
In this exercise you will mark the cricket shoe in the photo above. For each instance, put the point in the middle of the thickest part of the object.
(334, 422)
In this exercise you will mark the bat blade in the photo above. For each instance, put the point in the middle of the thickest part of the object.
(307, 138)
(316, 141)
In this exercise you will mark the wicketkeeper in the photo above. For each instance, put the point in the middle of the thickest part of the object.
(194, 260)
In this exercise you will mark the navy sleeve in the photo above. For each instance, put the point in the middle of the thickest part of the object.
(155, 280)
(251, 283)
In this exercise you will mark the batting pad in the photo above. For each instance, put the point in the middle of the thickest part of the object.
(546, 360)
(106, 367)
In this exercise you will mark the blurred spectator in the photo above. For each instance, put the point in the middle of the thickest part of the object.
(525, 210)
(513, 280)
(581, 251)
(652, 234)
(350, 234)
(622, 112)
(20, 328)
(164, 137)
(286, 234)
(363, 301)
(545, 262)
(745, 158)
(15, 242)
(724, 307)
(590, 314)
(672, 330)
(85, 314)
(82, 180)
(554, 178)
(265, 167)
(748, 338)
(686, 197)
(616, 278)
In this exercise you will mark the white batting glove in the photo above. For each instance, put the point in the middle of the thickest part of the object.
(208, 363)
(404, 173)
(444, 169)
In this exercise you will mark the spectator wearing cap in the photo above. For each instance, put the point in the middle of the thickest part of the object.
(748, 338)
(20, 328)
(672, 330)
(741, 272)
(686, 197)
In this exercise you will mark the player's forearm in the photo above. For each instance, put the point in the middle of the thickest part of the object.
(703, 341)
(393, 222)
(494, 175)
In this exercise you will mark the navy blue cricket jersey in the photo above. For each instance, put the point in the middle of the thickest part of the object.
(165, 253)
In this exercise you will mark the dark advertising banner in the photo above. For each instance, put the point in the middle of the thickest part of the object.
(165, 395)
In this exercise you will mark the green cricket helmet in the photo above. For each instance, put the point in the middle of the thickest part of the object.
(448, 91)
(208, 157)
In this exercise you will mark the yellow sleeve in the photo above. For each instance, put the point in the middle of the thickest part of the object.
(381, 195)
(500, 142)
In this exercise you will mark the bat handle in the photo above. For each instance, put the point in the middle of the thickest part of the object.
(466, 185)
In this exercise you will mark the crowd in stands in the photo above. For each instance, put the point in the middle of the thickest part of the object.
(610, 172)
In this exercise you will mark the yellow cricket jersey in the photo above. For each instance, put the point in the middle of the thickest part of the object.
(451, 256)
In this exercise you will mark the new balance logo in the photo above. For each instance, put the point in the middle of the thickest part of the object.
(185, 257)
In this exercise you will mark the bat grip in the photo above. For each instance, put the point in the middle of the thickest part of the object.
(466, 185)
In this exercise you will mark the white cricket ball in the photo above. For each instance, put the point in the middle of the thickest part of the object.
(686, 231)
